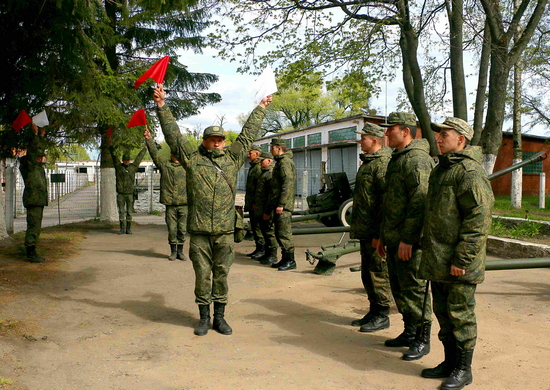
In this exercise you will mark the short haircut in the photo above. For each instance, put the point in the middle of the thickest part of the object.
(411, 128)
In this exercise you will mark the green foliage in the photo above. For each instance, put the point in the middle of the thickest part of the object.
(522, 230)
(529, 209)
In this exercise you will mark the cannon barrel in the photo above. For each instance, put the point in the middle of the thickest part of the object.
(534, 158)
(337, 229)
(505, 264)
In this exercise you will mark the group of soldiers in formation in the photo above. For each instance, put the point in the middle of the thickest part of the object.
(417, 222)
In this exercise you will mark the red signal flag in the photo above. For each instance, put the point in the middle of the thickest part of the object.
(155, 72)
(22, 119)
(138, 119)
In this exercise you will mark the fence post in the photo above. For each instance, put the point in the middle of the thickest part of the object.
(542, 191)
(305, 189)
(10, 198)
(151, 172)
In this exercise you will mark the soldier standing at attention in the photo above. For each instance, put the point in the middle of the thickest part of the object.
(125, 185)
(35, 194)
(173, 194)
(457, 222)
(261, 199)
(365, 226)
(403, 216)
(281, 204)
(254, 173)
(211, 182)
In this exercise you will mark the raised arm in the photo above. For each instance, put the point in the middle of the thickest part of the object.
(139, 157)
(153, 151)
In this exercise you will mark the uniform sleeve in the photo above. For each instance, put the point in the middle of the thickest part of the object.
(380, 184)
(180, 147)
(287, 186)
(250, 132)
(116, 163)
(138, 158)
(154, 153)
(416, 185)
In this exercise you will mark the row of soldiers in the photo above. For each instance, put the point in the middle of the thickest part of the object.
(418, 224)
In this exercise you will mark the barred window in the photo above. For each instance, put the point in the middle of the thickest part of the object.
(533, 168)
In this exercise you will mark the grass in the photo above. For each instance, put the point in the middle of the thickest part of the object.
(524, 230)
(5, 381)
(529, 208)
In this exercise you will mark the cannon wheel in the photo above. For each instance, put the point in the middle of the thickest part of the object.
(344, 212)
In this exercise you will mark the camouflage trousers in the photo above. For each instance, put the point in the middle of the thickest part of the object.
(34, 224)
(125, 204)
(454, 305)
(267, 229)
(176, 221)
(407, 290)
(374, 275)
(256, 229)
(212, 257)
(283, 231)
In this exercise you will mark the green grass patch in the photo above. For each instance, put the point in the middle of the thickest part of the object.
(529, 208)
(523, 230)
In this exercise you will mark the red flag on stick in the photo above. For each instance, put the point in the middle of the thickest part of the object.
(155, 72)
(138, 119)
(109, 131)
(22, 119)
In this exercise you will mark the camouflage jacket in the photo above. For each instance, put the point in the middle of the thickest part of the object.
(283, 184)
(251, 181)
(366, 215)
(210, 198)
(126, 175)
(458, 218)
(34, 176)
(173, 186)
(404, 198)
(263, 188)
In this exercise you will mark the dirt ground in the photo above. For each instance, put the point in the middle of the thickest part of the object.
(120, 316)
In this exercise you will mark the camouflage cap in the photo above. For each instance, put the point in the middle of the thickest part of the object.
(256, 148)
(371, 129)
(399, 118)
(457, 124)
(213, 131)
(278, 141)
(266, 155)
(126, 156)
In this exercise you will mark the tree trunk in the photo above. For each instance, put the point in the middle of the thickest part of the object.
(482, 85)
(456, 19)
(517, 175)
(107, 195)
(3, 232)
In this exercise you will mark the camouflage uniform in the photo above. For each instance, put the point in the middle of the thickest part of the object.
(457, 222)
(35, 194)
(173, 194)
(125, 184)
(249, 200)
(261, 197)
(403, 215)
(211, 218)
(283, 188)
(365, 226)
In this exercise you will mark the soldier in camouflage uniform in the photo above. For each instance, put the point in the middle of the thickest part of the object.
(173, 194)
(254, 173)
(261, 199)
(35, 194)
(211, 182)
(281, 204)
(365, 226)
(403, 215)
(125, 185)
(457, 222)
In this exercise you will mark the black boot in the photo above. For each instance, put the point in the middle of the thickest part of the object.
(180, 255)
(32, 256)
(122, 230)
(462, 374)
(270, 256)
(366, 318)
(283, 260)
(173, 252)
(260, 253)
(380, 321)
(204, 322)
(128, 227)
(421, 344)
(405, 339)
(219, 324)
(290, 263)
(258, 248)
(443, 369)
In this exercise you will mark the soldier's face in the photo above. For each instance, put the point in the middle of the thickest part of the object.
(396, 136)
(253, 155)
(367, 144)
(41, 159)
(126, 162)
(266, 162)
(214, 142)
(276, 150)
(449, 141)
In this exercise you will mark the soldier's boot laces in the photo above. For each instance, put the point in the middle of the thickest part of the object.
(173, 252)
(128, 227)
(32, 256)
(379, 321)
(270, 256)
(260, 253)
(204, 322)
(258, 248)
(405, 339)
(219, 324)
(122, 230)
(180, 255)
(445, 368)
(462, 374)
(289, 264)
(421, 345)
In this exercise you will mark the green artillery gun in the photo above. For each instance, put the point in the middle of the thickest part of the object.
(329, 254)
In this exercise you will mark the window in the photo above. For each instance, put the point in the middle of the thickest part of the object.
(82, 170)
(300, 141)
(265, 147)
(533, 168)
(314, 139)
(342, 134)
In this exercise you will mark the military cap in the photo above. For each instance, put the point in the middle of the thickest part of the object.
(371, 129)
(399, 118)
(459, 125)
(126, 156)
(278, 141)
(213, 131)
(256, 148)
(266, 155)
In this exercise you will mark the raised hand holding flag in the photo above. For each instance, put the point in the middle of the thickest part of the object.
(41, 119)
(138, 119)
(155, 72)
(22, 119)
(265, 85)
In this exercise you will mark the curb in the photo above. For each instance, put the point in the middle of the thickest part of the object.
(508, 248)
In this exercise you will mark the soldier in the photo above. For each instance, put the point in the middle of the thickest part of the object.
(212, 179)
(403, 215)
(365, 226)
(283, 187)
(254, 173)
(125, 185)
(458, 219)
(173, 194)
(261, 198)
(35, 195)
